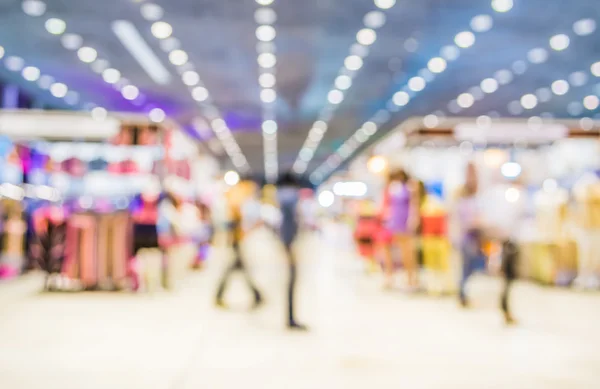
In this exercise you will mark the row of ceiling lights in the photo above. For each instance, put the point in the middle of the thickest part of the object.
(436, 65)
(365, 37)
(89, 55)
(163, 31)
(265, 17)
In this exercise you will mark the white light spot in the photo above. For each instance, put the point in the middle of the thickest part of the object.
(401, 98)
(366, 36)
(31, 73)
(265, 33)
(99, 113)
(335, 96)
(111, 75)
(326, 198)
(595, 69)
(353, 62)
(265, 16)
(178, 57)
(385, 4)
(151, 12)
(87, 54)
(431, 121)
(269, 126)
(267, 80)
(465, 100)
(71, 41)
(437, 65)
(559, 42)
(560, 87)
(591, 102)
(529, 101)
(450, 53)
(266, 60)
(199, 93)
(417, 84)
(489, 85)
(34, 7)
(130, 92)
(190, 78)
(584, 27)
(231, 178)
(55, 26)
(161, 30)
(157, 115)
(503, 76)
(464, 39)
(268, 95)
(374, 19)
(537, 55)
(586, 123)
(59, 90)
(343, 82)
(482, 23)
(502, 6)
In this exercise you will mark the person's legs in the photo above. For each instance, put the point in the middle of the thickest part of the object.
(225, 278)
(406, 243)
(292, 323)
(467, 270)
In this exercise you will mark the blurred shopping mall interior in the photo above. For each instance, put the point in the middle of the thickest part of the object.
(299, 193)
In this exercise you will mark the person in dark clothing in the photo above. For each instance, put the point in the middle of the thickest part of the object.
(238, 196)
(509, 269)
(288, 195)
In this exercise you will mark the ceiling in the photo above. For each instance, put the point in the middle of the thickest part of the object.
(313, 39)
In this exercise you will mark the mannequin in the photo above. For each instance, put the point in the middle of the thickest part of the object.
(587, 220)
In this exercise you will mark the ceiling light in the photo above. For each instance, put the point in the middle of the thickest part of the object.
(560, 87)
(31, 73)
(436, 65)
(161, 30)
(72, 97)
(366, 36)
(140, 51)
(559, 42)
(385, 4)
(335, 96)
(482, 23)
(268, 95)
(100, 65)
(575, 108)
(519, 67)
(87, 54)
(595, 69)
(417, 84)
(360, 50)
(265, 33)
(269, 126)
(1, 51)
(511, 170)
(190, 78)
(111, 75)
(586, 124)
(99, 113)
(450, 53)
(321, 125)
(431, 121)
(45, 82)
(267, 80)
(369, 128)
(130, 92)
(401, 98)
(55, 26)
(578, 78)
(231, 178)
(584, 27)
(529, 101)
(265, 47)
(14, 64)
(465, 100)
(503, 76)
(178, 57)
(427, 75)
(71, 41)
(265, 16)
(544, 95)
(151, 12)
(502, 5)
(33, 7)
(489, 85)
(537, 55)
(199, 93)
(591, 102)
(343, 82)
(374, 19)
(58, 89)
(264, 2)
(353, 62)
(266, 60)
(464, 39)
(157, 115)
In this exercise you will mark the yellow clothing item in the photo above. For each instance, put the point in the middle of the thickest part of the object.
(436, 253)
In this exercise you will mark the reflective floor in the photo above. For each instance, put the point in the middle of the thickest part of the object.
(361, 337)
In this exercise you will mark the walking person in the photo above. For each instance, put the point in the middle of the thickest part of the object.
(238, 198)
(288, 194)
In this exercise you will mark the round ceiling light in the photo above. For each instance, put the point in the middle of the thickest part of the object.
(359, 50)
(578, 79)
(503, 76)
(417, 84)
(401, 98)
(595, 69)
(178, 57)
(151, 12)
(59, 90)
(366, 36)
(265, 33)
(268, 95)
(55, 26)
(560, 87)
(267, 80)
(559, 42)
(269, 127)
(1, 51)
(353, 62)
(489, 85)
(502, 5)
(431, 121)
(266, 60)
(99, 113)
(45, 82)
(199, 93)
(374, 19)
(130, 92)
(31, 73)
(343, 82)
(437, 65)
(482, 23)
(161, 30)
(157, 115)
(111, 75)
(265, 16)
(464, 39)
(385, 4)
(584, 27)
(335, 96)
(537, 55)
(190, 78)
(71, 41)
(529, 101)
(264, 2)
(34, 7)
(87, 54)
(14, 63)
(591, 102)
(465, 100)
(450, 52)
(100, 65)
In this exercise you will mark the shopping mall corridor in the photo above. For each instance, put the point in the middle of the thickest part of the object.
(361, 336)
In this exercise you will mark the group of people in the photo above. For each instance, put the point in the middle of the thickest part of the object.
(400, 224)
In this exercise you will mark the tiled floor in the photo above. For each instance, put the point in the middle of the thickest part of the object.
(362, 337)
